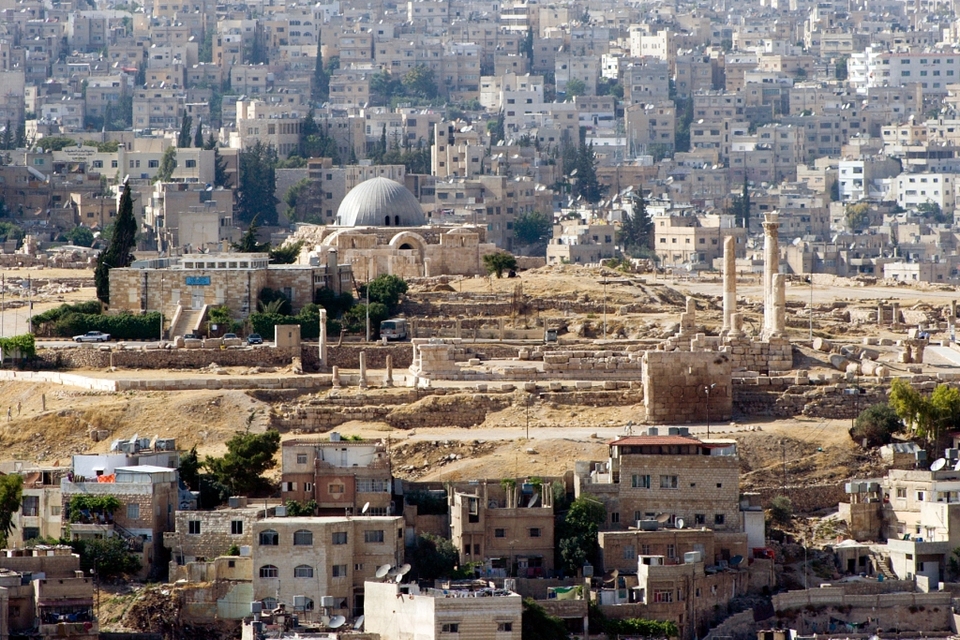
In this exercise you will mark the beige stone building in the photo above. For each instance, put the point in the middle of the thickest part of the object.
(298, 561)
(340, 475)
(40, 510)
(202, 536)
(506, 526)
(577, 243)
(685, 240)
(467, 612)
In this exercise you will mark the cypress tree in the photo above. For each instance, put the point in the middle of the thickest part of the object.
(119, 253)
(183, 139)
(198, 136)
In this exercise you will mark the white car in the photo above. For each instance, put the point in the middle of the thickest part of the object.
(92, 336)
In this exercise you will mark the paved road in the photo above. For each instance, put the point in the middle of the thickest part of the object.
(950, 355)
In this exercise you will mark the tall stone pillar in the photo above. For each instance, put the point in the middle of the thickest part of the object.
(363, 370)
(880, 314)
(779, 304)
(771, 266)
(388, 378)
(335, 377)
(323, 337)
(895, 321)
(729, 281)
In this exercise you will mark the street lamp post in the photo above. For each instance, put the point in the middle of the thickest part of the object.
(707, 389)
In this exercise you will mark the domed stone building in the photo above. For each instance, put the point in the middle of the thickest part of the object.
(382, 229)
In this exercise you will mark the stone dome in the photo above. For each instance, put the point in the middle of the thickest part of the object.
(380, 202)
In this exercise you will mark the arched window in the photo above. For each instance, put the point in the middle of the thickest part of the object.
(269, 604)
(269, 538)
(269, 571)
(303, 571)
(386, 220)
(303, 538)
(396, 221)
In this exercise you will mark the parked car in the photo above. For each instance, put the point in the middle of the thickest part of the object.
(92, 336)
(192, 336)
(229, 336)
(254, 338)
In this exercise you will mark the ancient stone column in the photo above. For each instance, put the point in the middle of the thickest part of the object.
(363, 370)
(880, 315)
(459, 328)
(771, 265)
(895, 321)
(736, 325)
(779, 304)
(323, 337)
(388, 379)
(335, 377)
(729, 281)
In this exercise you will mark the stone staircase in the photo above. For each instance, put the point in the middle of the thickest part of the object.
(187, 321)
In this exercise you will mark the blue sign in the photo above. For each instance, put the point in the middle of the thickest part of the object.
(198, 281)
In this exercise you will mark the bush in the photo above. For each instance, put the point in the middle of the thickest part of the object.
(876, 425)
(124, 326)
(91, 307)
(781, 510)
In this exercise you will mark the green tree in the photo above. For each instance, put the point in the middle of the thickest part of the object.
(80, 236)
(420, 81)
(119, 253)
(248, 456)
(257, 184)
(932, 211)
(314, 142)
(287, 253)
(55, 143)
(320, 83)
(498, 262)
(109, 557)
(742, 206)
(587, 185)
(577, 533)
(530, 228)
(841, 68)
(386, 290)
(576, 87)
(684, 119)
(220, 177)
(248, 241)
(198, 136)
(273, 301)
(537, 624)
(11, 493)
(355, 319)
(857, 216)
(168, 163)
(433, 557)
(297, 509)
(835, 191)
(189, 469)
(636, 228)
(497, 129)
(7, 142)
(183, 139)
(876, 425)
(781, 510)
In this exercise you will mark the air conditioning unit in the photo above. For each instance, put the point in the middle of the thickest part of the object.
(281, 511)
(328, 602)
(256, 607)
(299, 602)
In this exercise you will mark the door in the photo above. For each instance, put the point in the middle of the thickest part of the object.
(197, 302)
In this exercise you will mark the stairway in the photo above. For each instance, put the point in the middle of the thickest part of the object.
(882, 566)
(187, 321)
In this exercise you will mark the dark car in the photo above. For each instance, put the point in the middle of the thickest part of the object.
(254, 338)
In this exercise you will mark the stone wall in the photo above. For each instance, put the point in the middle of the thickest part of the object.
(674, 385)
(739, 626)
(806, 498)
(825, 610)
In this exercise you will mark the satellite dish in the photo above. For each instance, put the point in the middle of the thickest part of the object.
(938, 464)
(382, 570)
(399, 578)
(735, 560)
(336, 622)
(366, 507)
(359, 622)
(404, 569)
(680, 523)
(956, 467)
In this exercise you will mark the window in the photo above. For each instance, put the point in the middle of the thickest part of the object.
(640, 482)
(339, 571)
(190, 164)
(269, 571)
(153, 164)
(663, 595)
(336, 489)
(302, 538)
(719, 518)
(55, 510)
(671, 551)
(669, 482)
(269, 538)
(499, 533)
(301, 458)
(450, 628)
(901, 492)
(615, 517)
(629, 552)
(373, 536)
(269, 603)
(339, 537)
(236, 527)
(534, 532)
(194, 527)
(504, 626)
(303, 571)
(699, 518)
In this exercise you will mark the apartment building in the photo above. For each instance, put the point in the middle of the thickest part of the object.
(569, 66)
(507, 526)
(333, 183)
(203, 536)
(190, 216)
(40, 510)
(342, 476)
(646, 81)
(464, 609)
(912, 190)
(299, 561)
(576, 243)
(458, 150)
(156, 107)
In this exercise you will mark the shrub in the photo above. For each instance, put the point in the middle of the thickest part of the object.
(124, 326)
(781, 510)
(876, 425)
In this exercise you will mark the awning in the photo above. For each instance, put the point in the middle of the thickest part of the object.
(67, 602)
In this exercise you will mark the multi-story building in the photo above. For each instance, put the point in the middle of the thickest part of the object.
(333, 183)
(691, 239)
(39, 515)
(298, 561)
(202, 536)
(342, 476)
(577, 243)
(508, 527)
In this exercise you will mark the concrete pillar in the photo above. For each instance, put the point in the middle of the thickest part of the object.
(323, 337)
(335, 377)
(880, 315)
(779, 303)
(388, 379)
(363, 369)
(771, 265)
(729, 280)
(895, 321)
